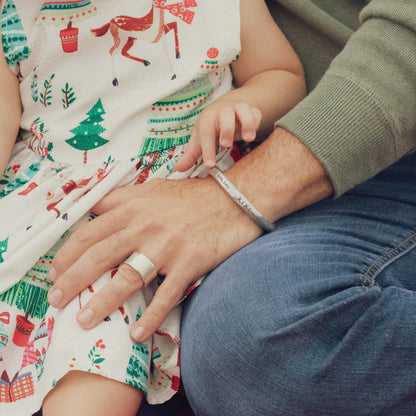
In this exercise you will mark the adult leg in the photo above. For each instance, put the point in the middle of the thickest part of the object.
(80, 393)
(316, 318)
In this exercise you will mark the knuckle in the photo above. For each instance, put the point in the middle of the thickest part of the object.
(194, 152)
(207, 125)
(109, 218)
(227, 110)
(71, 284)
(98, 256)
(242, 107)
(151, 223)
(127, 208)
(103, 303)
(170, 292)
(155, 315)
(174, 238)
(208, 147)
(119, 239)
(83, 234)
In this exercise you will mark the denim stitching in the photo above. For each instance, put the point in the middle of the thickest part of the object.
(383, 261)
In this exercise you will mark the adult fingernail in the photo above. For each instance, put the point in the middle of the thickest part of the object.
(52, 274)
(85, 316)
(55, 297)
(138, 334)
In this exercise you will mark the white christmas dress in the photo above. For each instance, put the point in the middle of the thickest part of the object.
(110, 92)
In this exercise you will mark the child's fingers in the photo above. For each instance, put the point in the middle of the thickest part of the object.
(257, 116)
(207, 132)
(226, 126)
(248, 118)
(191, 154)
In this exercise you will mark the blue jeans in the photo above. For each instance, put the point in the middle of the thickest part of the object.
(317, 318)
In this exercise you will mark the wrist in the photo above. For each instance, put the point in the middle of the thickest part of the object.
(241, 200)
(230, 218)
(281, 176)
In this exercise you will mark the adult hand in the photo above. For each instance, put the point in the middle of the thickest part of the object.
(185, 227)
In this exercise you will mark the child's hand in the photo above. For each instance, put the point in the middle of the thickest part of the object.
(222, 122)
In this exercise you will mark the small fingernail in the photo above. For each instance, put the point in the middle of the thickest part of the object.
(209, 163)
(138, 334)
(55, 297)
(85, 316)
(249, 136)
(52, 274)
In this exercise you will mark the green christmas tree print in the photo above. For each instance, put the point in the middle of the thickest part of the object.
(29, 294)
(87, 134)
(172, 119)
(3, 248)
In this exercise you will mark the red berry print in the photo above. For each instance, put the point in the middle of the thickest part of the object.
(212, 53)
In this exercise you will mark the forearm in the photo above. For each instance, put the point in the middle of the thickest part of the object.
(281, 176)
(360, 118)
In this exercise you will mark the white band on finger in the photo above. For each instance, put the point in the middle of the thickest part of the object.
(142, 265)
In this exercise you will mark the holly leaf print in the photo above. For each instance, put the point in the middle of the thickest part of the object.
(68, 96)
(46, 95)
(95, 355)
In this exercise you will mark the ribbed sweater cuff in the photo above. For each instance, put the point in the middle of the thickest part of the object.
(344, 127)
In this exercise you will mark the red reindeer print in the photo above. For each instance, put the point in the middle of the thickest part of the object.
(141, 24)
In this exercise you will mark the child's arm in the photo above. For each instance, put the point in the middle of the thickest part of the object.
(10, 111)
(269, 80)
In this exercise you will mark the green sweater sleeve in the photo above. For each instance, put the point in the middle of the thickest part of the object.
(361, 117)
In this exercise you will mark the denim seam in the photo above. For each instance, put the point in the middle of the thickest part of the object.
(383, 261)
